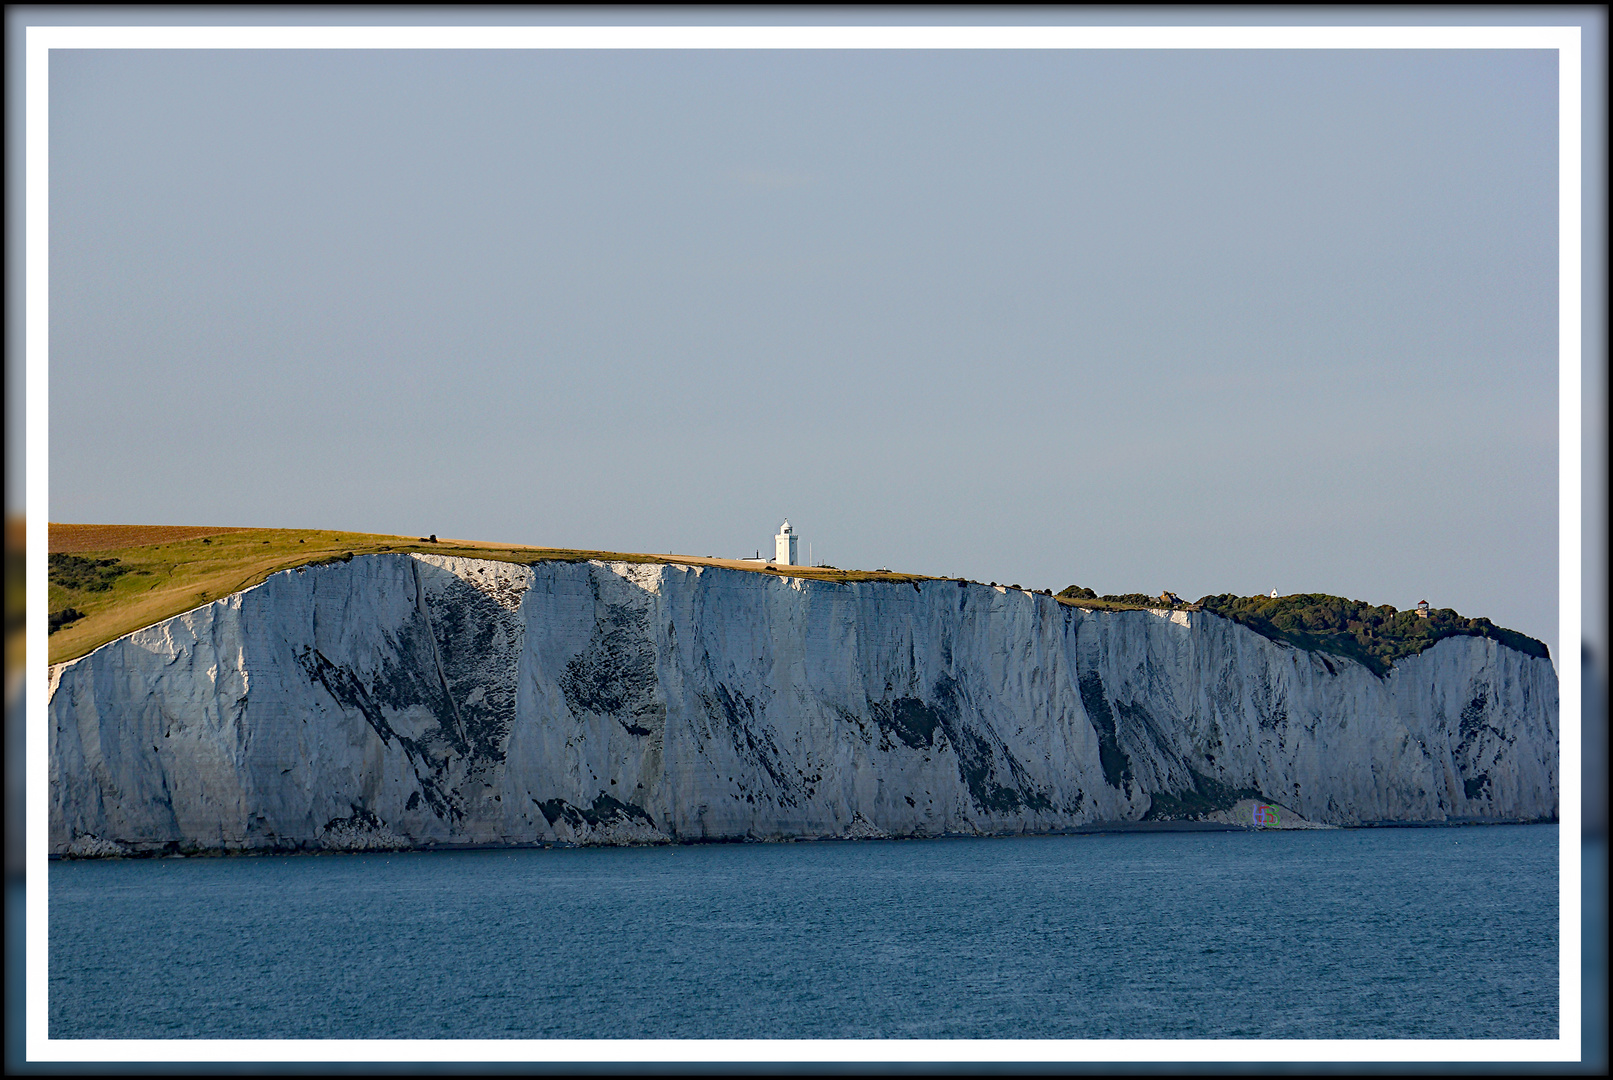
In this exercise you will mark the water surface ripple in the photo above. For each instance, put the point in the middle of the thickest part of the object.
(1398, 933)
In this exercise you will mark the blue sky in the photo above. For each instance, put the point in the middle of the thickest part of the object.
(1205, 321)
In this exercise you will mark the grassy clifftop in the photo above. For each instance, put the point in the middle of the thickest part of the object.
(99, 593)
(110, 580)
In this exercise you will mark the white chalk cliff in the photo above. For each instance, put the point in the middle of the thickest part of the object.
(415, 701)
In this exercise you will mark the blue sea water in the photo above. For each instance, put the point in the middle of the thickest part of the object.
(1379, 933)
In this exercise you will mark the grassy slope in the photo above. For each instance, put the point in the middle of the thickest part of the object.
(164, 580)
(1111, 605)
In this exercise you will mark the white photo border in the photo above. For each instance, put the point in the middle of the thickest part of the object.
(1564, 40)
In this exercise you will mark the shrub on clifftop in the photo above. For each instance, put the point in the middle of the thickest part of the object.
(1374, 635)
(92, 575)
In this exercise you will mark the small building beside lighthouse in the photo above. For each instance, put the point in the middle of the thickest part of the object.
(784, 546)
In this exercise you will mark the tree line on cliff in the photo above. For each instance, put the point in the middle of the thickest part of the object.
(1375, 635)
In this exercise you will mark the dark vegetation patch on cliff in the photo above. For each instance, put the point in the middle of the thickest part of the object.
(1116, 765)
(1471, 720)
(475, 639)
(1473, 725)
(75, 576)
(90, 575)
(977, 755)
(605, 811)
(1374, 636)
(1206, 796)
(977, 765)
(995, 780)
(398, 687)
(615, 675)
(1138, 600)
(59, 619)
(752, 738)
(1081, 597)
(909, 719)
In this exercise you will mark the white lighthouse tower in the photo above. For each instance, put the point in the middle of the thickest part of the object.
(784, 546)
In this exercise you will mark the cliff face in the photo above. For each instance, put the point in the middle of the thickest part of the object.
(399, 700)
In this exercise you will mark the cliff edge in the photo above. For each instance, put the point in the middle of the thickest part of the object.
(416, 700)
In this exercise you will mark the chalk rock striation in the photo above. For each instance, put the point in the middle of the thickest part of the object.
(404, 701)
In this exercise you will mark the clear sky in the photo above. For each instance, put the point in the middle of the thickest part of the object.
(1198, 321)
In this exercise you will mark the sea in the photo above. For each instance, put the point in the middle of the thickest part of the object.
(1325, 934)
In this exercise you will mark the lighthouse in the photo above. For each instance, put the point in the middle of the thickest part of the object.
(784, 546)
